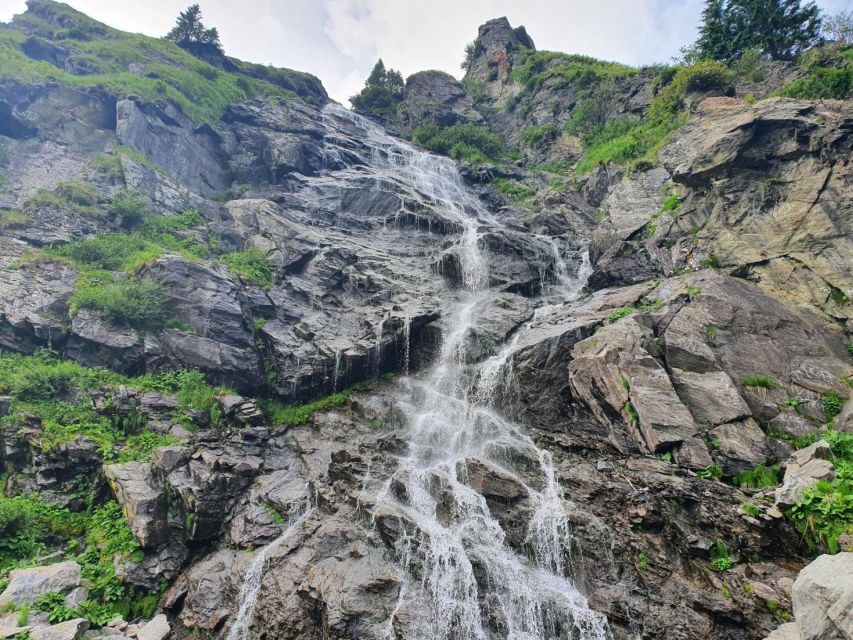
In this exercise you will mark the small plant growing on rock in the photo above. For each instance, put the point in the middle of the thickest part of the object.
(693, 291)
(714, 472)
(643, 562)
(759, 382)
(721, 558)
(832, 404)
(671, 203)
(750, 509)
(618, 314)
(758, 478)
(631, 413)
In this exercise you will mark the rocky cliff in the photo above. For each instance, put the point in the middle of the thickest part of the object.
(271, 371)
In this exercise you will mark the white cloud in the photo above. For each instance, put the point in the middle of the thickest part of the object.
(340, 40)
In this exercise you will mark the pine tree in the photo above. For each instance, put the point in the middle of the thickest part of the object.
(189, 30)
(780, 29)
(383, 91)
(378, 76)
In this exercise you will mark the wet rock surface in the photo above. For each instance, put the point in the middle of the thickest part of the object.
(541, 437)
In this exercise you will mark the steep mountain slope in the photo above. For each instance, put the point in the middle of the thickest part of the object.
(528, 395)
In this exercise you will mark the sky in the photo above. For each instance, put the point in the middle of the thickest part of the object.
(340, 40)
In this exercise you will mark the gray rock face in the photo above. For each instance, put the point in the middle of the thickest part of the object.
(823, 598)
(142, 500)
(25, 585)
(68, 630)
(803, 470)
(436, 97)
(171, 140)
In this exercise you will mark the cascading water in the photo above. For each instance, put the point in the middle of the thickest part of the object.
(478, 588)
(248, 597)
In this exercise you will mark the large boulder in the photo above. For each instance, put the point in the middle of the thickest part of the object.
(142, 500)
(25, 585)
(804, 469)
(823, 598)
(438, 98)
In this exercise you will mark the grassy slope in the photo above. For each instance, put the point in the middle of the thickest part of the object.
(102, 59)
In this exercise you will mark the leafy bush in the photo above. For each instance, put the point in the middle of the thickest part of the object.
(714, 472)
(825, 511)
(759, 477)
(123, 301)
(252, 264)
(469, 142)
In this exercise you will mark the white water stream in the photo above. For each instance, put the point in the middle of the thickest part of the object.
(454, 550)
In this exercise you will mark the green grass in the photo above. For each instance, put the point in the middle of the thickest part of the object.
(469, 142)
(759, 381)
(295, 415)
(122, 301)
(80, 197)
(538, 137)
(514, 189)
(624, 312)
(13, 219)
(759, 477)
(714, 472)
(170, 74)
(535, 69)
(632, 141)
(252, 264)
(58, 392)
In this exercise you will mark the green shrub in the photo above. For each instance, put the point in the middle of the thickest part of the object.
(295, 415)
(714, 472)
(108, 252)
(832, 404)
(759, 477)
(825, 511)
(671, 203)
(123, 301)
(469, 142)
(829, 72)
(538, 136)
(721, 558)
(131, 208)
(618, 314)
(251, 264)
(13, 219)
(513, 189)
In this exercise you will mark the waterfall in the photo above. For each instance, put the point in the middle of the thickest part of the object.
(476, 585)
(248, 596)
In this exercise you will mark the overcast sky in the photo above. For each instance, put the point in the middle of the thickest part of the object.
(339, 40)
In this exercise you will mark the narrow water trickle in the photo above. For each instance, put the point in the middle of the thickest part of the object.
(477, 587)
(248, 597)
